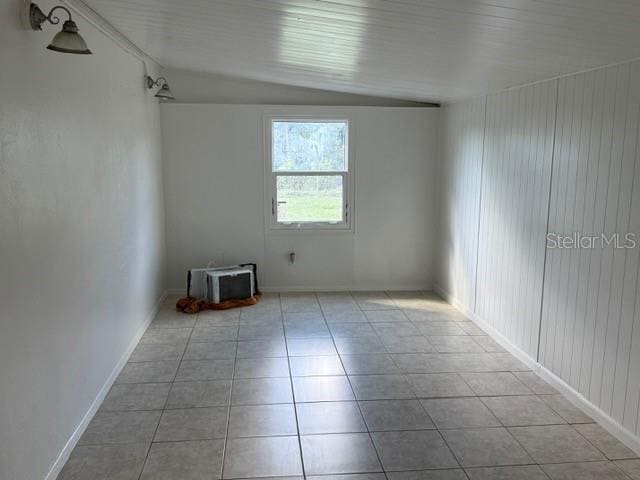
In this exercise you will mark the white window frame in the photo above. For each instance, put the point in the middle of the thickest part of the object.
(271, 200)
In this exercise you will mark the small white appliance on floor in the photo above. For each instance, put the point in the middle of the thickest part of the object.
(229, 283)
(222, 283)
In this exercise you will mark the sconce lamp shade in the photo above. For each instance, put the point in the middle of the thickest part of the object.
(68, 40)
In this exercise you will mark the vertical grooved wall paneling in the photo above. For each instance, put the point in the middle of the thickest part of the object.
(518, 150)
(560, 158)
(590, 336)
(462, 143)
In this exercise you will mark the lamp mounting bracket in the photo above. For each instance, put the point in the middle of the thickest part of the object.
(155, 83)
(37, 17)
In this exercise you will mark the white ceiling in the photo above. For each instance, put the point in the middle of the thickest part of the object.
(412, 49)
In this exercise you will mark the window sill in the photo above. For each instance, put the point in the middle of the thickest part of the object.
(305, 230)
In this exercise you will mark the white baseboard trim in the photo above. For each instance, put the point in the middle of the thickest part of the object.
(75, 436)
(611, 425)
(347, 288)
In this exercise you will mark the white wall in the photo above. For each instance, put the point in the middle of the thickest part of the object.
(462, 141)
(559, 156)
(214, 181)
(513, 212)
(196, 87)
(81, 232)
(590, 320)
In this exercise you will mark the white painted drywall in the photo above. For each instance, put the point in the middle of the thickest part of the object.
(196, 87)
(214, 181)
(559, 157)
(81, 232)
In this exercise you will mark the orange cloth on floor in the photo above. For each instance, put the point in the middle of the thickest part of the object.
(195, 305)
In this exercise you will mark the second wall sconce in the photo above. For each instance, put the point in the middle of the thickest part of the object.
(67, 40)
(164, 93)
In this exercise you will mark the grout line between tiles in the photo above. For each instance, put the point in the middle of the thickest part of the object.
(293, 396)
(164, 407)
(354, 395)
(226, 436)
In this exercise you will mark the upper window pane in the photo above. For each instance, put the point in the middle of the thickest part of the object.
(309, 146)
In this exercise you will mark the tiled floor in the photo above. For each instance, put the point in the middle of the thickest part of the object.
(337, 386)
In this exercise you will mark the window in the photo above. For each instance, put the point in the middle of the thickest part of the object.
(309, 165)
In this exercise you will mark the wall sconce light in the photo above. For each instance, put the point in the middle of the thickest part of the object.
(67, 40)
(164, 93)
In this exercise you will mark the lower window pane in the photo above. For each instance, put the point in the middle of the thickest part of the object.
(316, 198)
